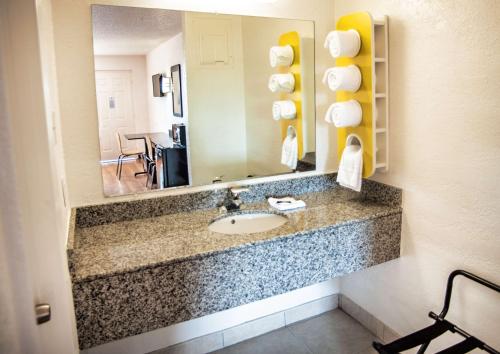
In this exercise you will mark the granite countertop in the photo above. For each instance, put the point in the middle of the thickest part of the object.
(126, 246)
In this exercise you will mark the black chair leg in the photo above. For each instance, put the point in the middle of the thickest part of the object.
(150, 173)
(121, 168)
(118, 164)
(147, 177)
(153, 175)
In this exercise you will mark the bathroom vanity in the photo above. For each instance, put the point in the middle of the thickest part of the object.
(142, 265)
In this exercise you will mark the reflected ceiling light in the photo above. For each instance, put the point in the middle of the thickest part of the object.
(166, 84)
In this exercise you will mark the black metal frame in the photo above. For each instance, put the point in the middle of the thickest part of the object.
(441, 325)
(175, 69)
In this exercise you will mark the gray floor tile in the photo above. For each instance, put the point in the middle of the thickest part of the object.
(368, 351)
(199, 345)
(281, 341)
(333, 332)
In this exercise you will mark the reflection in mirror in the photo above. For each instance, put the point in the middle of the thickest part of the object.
(241, 105)
(175, 74)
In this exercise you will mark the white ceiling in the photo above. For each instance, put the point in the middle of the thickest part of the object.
(120, 30)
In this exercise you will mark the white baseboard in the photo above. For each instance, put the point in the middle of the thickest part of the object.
(115, 161)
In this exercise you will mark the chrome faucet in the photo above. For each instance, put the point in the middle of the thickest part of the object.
(234, 202)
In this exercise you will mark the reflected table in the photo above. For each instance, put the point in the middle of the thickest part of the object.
(174, 158)
(140, 136)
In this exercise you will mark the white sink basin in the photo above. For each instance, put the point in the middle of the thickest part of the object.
(247, 223)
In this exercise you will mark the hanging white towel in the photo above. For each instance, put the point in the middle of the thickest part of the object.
(281, 55)
(347, 78)
(282, 83)
(286, 203)
(284, 110)
(289, 151)
(351, 167)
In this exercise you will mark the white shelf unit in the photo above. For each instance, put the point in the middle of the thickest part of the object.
(381, 92)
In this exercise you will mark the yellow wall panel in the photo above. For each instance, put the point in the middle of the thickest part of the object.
(363, 23)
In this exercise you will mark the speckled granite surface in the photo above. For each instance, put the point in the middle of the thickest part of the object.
(131, 245)
(381, 193)
(133, 276)
(132, 210)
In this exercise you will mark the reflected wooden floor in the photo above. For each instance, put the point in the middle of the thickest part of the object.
(128, 184)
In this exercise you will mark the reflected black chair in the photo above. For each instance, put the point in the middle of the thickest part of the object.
(119, 166)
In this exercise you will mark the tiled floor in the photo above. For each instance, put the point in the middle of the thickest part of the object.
(332, 332)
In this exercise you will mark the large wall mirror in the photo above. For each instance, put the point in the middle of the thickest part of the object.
(190, 99)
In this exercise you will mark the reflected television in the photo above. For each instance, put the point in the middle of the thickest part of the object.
(157, 85)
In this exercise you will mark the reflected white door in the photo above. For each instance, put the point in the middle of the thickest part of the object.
(115, 111)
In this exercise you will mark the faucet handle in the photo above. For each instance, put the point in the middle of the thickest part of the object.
(235, 191)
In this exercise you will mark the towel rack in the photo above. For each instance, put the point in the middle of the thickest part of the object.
(424, 336)
(373, 95)
(293, 39)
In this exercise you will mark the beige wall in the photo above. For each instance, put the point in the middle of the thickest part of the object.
(136, 64)
(73, 34)
(159, 60)
(264, 133)
(445, 149)
(216, 96)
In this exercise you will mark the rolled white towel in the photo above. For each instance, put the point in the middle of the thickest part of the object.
(344, 114)
(284, 110)
(282, 83)
(347, 78)
(343, 43)
(286, 203)
(281, 55)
